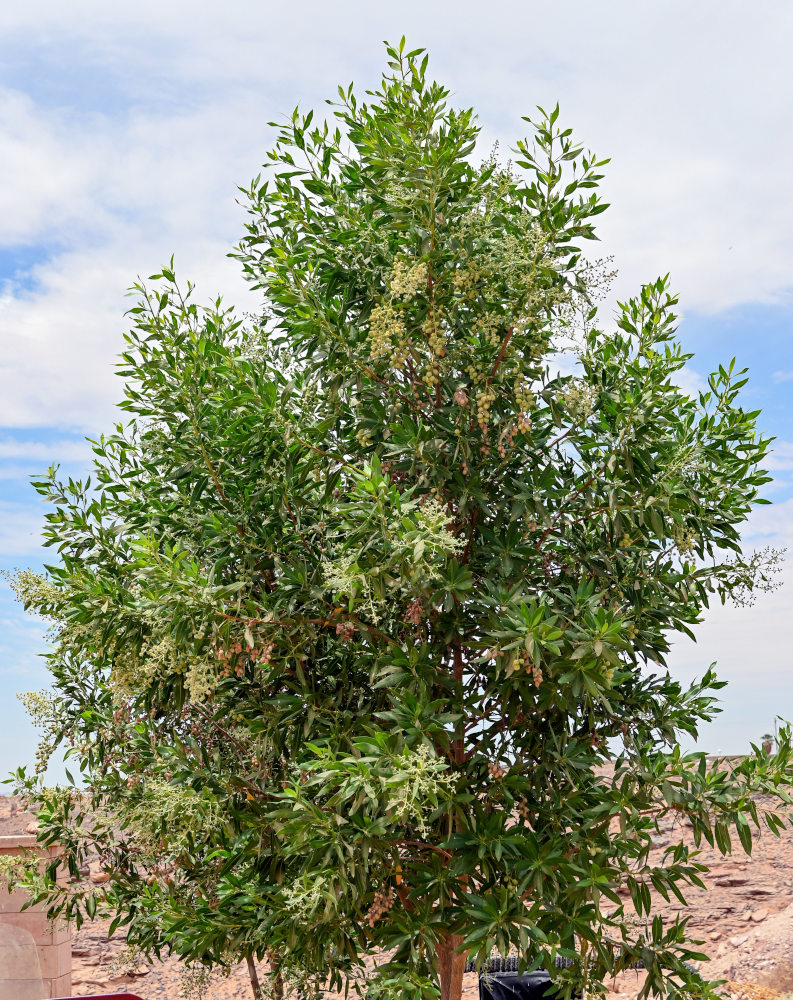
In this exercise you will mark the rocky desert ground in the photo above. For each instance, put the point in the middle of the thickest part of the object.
(744, 917)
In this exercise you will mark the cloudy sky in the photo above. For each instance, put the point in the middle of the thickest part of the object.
(125, 128)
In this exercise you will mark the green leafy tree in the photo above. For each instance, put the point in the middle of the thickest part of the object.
(361, 623)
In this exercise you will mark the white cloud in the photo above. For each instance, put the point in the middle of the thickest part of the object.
(126, 193)
(749, 645)
(782, 376)
(61, 340)
(49, 169)
(20, 531)
(771, 524)
(781, 457)
(61, 451)
(690, 381)
(113, 194)
(752, 653)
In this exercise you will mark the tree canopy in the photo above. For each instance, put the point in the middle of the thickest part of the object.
(360, 622)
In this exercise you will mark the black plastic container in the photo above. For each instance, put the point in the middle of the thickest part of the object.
(511, 986)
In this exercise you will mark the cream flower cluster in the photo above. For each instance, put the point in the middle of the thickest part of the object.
(386, 331)
(579, 399)
(422, 780)
(407, 280)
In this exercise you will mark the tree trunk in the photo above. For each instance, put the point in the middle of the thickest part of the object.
(274, 961)
(255, 984)
(451, 964)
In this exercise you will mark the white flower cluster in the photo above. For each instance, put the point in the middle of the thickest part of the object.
(419, 539)
(174, 813)
(303, 898)
(13, 868)
(343, 576)
(159, 656)
(194, 982)
(759, 574)
(433, 518)
(579, 399)
(45, 713)
(35, 591)
(419, 783)
(685, 540)
(592, 283)
(388, 337)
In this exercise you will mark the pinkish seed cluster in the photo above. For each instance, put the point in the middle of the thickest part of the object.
(381, 904)
(531, 668)
(234, 657)
(506, 439)
(345, 631)
(414, 612)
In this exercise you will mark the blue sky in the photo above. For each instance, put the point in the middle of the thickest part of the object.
(126, 128)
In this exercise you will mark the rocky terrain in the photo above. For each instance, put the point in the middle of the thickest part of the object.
(744, 917)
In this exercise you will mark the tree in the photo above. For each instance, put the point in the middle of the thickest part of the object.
(365, 612)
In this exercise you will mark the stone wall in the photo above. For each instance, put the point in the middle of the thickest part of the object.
(53, 943)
